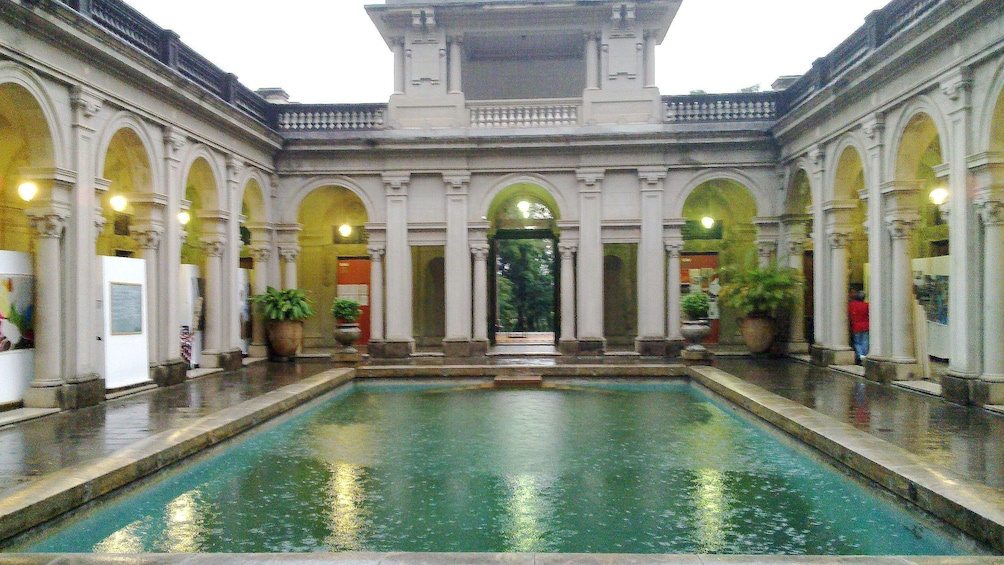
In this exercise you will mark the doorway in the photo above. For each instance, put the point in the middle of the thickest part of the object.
(523, 288)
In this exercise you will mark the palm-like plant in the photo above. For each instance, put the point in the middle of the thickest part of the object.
(289, 304)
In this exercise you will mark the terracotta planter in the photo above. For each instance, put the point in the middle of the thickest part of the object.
(346, 335)
(758, 333)
(285, 337)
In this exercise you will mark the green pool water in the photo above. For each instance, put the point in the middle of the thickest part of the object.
(609, 468)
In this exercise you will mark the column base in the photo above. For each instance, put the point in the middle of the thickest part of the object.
(650, 346)
(258, 350)
(456, 348)
(986, 392)
(961, 390)
(209, 359)
(344, 359)
(826, 356)
(675, 347)
(798, 347)
(888, 370)
(697, 355)
(226, 360)
(68, 396)
(591, 347)
(479, 347)
(174, 372)
(396, 349)
(568, 347)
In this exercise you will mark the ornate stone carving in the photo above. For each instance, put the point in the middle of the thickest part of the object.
(174, 141)
(148, 238)
(457, 181)
(796, 247)
(817, 157)
(567, 250)
(86, 102)
(47, 225)
(213, 247)
(651, 178)
(261, 254)
(991, 212)
(764, 249)
(901, 228)
(838, 239)
(376, 253)
(289, 253)
(957, 84)
(873, 127)
(674, 248)
(396, 183)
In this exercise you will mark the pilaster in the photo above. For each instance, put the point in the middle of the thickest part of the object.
(479, 250)
(589, 278)
(674, 248)
(651, 339)
(399, 342)
(458, 267)
(170, 256)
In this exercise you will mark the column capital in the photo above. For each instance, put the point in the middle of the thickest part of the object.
(457, 181)
(174, 142)
(455, 39)
(901, 226)
(212, 246)
(590, 179)
(957, 84)
(235, 166)
(765, 248)
(674, 248)
(376, 253)
(873, 127)
(796, 247)
(289, 252)
(839, 237)
(480, 251)
(100, 221)
(149, 237)
(86, 104)
(651, 176)
(991, 211)
(47, 224)
(817, 157)
(261, 254)
(567, 249)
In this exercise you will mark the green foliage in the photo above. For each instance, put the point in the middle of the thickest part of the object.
(754, 88)
(526, 285)
(695, 305)
(289, 304)
(345, 311)
(769, 292)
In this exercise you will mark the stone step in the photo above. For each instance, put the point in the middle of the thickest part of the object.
(518, 381)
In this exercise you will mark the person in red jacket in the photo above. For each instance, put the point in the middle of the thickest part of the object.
(857, 310)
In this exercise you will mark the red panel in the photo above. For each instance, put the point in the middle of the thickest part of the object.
(708, 263)
(357, 272)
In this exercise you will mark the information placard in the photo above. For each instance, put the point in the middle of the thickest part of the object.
(126, 308)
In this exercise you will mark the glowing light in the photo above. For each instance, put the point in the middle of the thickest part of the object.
(27, 191)
(118, 202)
(708, 222)
(939, 196)
(345, 230)
(524, 207)
(184, 218)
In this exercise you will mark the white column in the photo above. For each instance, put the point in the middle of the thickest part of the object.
(650, 39)
(589, 279)
(458, 259)
(376, 293)
(289, 253)
(231, 262)
(820, 329)
(878, 245)
(48, 226)
(213, 247)
(149, 238)
(170, 256)
(901, 230)
(456, 83)
(839, 240)
(673, 248)
(592, 62)
(399, 275)
(796, 251)
(260, 254)
(78, 258)
(765, 251)
(480, 252)
(992, 213)
(567, 251)
(651, 265)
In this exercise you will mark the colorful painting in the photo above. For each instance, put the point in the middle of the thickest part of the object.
(17, 309)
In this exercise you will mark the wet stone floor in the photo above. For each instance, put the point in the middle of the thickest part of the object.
(37, 447)
(966, 440)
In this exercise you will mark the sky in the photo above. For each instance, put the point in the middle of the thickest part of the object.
(330, 51)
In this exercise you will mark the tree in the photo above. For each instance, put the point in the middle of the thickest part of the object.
(526, 285)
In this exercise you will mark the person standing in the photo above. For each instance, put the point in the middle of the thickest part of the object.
(857, 310)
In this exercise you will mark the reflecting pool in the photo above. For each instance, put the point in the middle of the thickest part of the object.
(612, 467)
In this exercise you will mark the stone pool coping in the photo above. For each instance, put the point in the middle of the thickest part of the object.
(976, 509)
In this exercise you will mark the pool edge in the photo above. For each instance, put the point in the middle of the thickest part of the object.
(66, 489)
(976, 509)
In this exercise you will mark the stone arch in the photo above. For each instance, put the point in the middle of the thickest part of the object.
(126, 162)
(765, 206)
(845, 162)
(798, 193)
(252, 192)
(905, 137)
(291, 211)
(128, 121)
(990, 126)
(47, 150)
(549, 193)
(214, 171)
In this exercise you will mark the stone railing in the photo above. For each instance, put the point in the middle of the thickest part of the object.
(524, 113)
(737, 107)
(329, 117)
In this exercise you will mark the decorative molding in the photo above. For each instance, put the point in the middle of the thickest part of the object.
(591, 179)
(289, 253)
(567, 250)
(480, 251)
(261, 254)
(174, 141)
(396, 184)
(652, 176)
(957, 84)
(838, 238)
(148, 238)
(86, 103)
(376, 253)
(48, 224)
(457, 181)
(212, 246)
(901, 227)
(674, 248)
(873, 127)
(991, 212)
(817, 157)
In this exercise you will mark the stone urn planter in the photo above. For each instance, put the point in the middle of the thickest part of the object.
(347, 335)
(285, 311)
(758, 333)
(695, 332)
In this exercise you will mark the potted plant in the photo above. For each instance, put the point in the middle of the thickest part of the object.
(696, 328)
(347, 332)
(285, 311)
(762, 297)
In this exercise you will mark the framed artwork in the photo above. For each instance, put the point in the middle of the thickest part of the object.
(126, 308)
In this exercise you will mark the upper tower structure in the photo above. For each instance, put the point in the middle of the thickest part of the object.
(448, 53)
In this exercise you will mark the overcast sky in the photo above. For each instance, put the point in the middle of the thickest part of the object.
(329, 50)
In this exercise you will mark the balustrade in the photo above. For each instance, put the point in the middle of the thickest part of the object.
(524, 114)
(758, 106)
(331, 117)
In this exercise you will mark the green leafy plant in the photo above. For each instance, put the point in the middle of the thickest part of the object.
(695, 305)
(345, 311)
(288, 304)
(769, 292)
